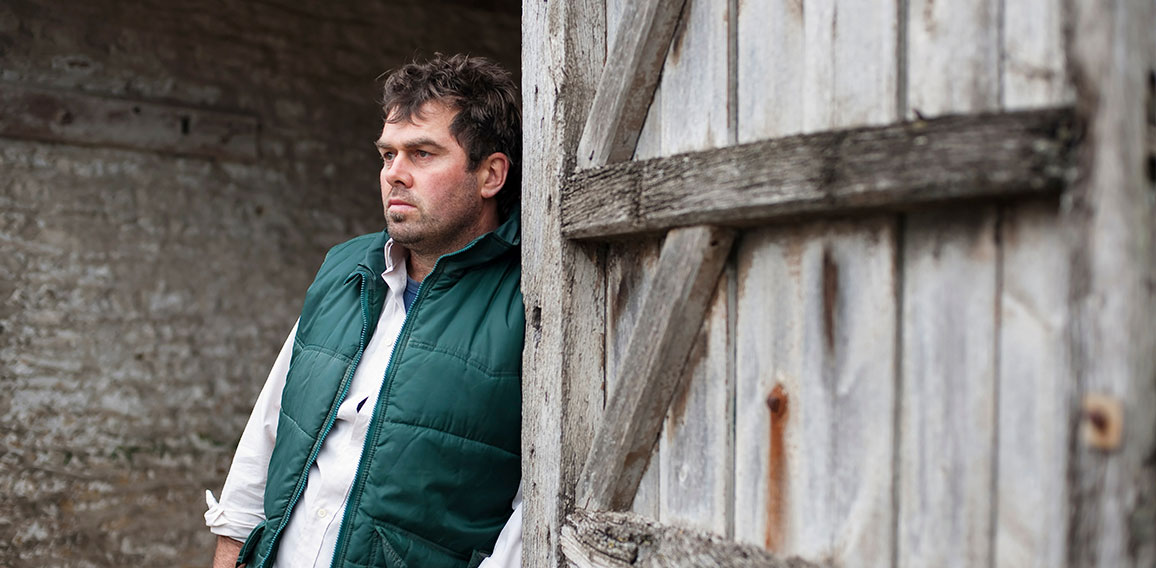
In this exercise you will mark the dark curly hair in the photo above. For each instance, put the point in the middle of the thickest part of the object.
(486, 98)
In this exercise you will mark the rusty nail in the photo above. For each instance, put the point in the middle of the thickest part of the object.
(777, 401)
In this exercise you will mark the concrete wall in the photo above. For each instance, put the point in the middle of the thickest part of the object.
(143, 295)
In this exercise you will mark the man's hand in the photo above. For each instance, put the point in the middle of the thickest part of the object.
(227, 551)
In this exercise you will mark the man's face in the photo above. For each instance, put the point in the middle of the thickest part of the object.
(433, 204)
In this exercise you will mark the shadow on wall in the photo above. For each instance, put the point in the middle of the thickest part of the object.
(172, 176)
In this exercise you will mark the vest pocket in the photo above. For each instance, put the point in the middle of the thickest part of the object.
(392, 558)
(250, 545)
(402, 548)
(477, 558)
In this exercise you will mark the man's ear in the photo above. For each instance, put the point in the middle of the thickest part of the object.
(492, 174)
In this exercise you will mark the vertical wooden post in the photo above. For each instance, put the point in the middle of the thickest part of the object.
(562, 50)
(1111, 218)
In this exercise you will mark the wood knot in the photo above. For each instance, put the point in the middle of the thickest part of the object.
(1102, 421)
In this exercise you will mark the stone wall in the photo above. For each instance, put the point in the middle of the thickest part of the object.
(143, 294)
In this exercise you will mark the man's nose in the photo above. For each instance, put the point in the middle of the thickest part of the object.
(397, 172)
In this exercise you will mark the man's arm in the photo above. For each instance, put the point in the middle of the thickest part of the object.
(227, 551)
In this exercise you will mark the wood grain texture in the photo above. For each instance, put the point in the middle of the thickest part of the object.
(898, 166)
(689, 479)
(628, 81)
(815, 307)
(1110, 217)
(1035, 384)
(675, 303)
(1034, 73)
(691, 110)
(561, 280)
(815, 373)
(696, 456)
(622, 540)
(947, 408)
(949, 381)
(78, 118)
(630, 267)
(816, 66)
(952, 57)
(1034, 389)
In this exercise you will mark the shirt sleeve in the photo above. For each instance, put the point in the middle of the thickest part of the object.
(241, 507)
(508, 549)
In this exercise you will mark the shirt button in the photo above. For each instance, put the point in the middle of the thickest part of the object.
(321, 513)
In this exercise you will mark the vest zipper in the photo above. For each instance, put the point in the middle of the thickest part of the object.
(346, 382)
(355, 490)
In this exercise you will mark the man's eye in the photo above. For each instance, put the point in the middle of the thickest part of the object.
(386, 156)
(422, 154)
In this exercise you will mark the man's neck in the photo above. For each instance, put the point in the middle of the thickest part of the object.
(419, 266)
(421, 262)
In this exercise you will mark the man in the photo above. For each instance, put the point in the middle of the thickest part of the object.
(388, 432)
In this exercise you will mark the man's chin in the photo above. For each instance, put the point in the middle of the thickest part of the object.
(399, 231)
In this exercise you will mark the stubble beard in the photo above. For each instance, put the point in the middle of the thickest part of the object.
(432, 235)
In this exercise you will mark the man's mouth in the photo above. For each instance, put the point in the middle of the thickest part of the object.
(399, 205)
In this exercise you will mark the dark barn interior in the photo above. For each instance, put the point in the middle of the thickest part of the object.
(171, 175)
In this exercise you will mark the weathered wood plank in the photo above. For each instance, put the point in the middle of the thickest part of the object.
(624, 540)
(675, 303)
(898, 166)
(1034, 386)
(815, 308)
(770, 80)
(561, 280)
(815, 66)
(1033, 55)
(1110, 217)
(816, 404)
(630, 267)
(953, 57)
(692, 466)
(90, 120)
(949, 375)
(693, 105)
(947, 407)
(628, 81)
(696, 448)
(1034, 389)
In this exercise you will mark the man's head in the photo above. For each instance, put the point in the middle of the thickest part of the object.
(451, 154)
(485, 98)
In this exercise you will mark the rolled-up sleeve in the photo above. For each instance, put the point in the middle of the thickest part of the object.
(241, 507)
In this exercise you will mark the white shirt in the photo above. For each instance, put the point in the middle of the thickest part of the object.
(310, 538)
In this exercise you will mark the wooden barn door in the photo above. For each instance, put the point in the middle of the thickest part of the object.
(861, 283)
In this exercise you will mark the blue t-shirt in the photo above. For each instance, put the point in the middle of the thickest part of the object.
(410, 293)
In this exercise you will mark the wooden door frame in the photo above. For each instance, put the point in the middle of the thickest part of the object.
(582, 117)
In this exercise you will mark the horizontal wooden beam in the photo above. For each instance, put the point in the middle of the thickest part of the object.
(897, 166)
(651, 369)
(70, 117)
(626, 540)
(629, 79)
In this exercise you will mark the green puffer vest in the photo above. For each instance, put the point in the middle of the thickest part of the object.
(441, 461)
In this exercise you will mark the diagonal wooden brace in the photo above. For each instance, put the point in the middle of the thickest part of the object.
(688, 269)
(629, 79)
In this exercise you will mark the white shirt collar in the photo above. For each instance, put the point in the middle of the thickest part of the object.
(395, 266)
